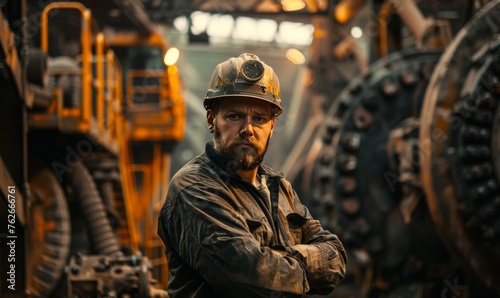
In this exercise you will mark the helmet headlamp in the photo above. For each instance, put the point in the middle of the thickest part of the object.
(252, 70)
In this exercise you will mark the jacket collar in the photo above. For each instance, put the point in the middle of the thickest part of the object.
(213, 156)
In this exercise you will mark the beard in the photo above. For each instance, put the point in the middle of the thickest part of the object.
(235, 159)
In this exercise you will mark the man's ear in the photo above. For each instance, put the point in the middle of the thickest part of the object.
(210, 120)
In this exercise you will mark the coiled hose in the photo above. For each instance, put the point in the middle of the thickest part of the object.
(102, 237)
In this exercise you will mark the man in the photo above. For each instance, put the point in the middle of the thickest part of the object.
(232, 226)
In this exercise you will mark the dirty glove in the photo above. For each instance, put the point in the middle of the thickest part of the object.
(324, 266)
(309, 229)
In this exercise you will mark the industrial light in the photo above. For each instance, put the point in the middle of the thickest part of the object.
(199, 21)
(220, 26)
(244, 28)
(171, 56)
(295, 33)
(295, 56)
(292, 5)
(266, 30)
(346, 9)
(268, 6)
(356, 32)
(182, 24)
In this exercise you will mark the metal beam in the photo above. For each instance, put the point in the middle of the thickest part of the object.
(121, 15)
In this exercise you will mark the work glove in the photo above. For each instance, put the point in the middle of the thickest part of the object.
(309, 229)
(324, 267)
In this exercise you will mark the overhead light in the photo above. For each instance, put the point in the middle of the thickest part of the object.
(356, 32)
(346, 9)
(171, 56)
(199, 22)
(266, 30)
(293, 5)
(295, 56)
(268, 6)
(295, 33)
(224, 26)
(220, 26)
(182, 24)
(244, 28)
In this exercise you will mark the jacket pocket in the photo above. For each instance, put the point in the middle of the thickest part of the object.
(259, 230)
(295, 222)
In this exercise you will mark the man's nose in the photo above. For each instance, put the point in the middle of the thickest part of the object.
(247, 128)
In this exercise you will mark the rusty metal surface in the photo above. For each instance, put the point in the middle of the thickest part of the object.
(363, 116)
(367, 175)
(459, 168)
(117, 276)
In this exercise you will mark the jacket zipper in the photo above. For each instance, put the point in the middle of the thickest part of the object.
(270, 214)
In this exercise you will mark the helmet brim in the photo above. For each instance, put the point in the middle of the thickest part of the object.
(209, 101)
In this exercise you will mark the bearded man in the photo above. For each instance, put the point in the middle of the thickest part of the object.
(232, 226)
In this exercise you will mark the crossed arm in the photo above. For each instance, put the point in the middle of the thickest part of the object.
(215, 240)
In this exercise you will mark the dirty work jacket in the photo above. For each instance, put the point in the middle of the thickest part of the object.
(224, 238)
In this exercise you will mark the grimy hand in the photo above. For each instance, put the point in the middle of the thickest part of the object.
(309, 229)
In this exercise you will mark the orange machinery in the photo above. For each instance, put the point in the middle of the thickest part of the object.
(99, 137)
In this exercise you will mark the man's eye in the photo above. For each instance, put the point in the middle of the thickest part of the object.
(233, 117)
(260, 120)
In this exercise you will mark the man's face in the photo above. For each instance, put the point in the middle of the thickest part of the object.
(242, 129)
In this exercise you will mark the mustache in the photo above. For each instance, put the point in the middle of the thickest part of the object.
(238, 140)
(241, 141)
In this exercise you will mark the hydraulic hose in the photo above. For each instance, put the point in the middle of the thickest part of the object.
(102, 237)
